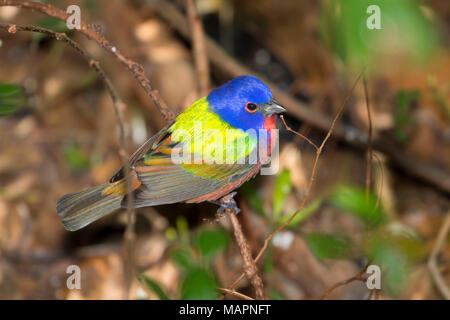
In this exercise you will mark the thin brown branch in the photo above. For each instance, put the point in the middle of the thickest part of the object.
(432, 261)
(310, 182)
(118, 106)
(249, 264)
(199, 47)
(358, 277)
(374, 294)
(227, 64)
(235, 293)
(89, 31)
(298, 133)
(380, 189)
(138, 71)
(369, 141)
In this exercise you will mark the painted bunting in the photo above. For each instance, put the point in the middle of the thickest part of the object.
(206, 153)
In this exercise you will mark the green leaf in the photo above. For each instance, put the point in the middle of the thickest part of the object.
(183, 229)
(171, 233)
(402, 113)
(49, 23)
(11, 98)
(303, 214)
(86, 81)
(251, 195)
(399, 236)
(210, 242)
(394, 265)
(182, 256)
(328, 246)
(153, 286)
(404, 31)
(353, 200)
(90, 6)
(283, 186)
(6, 110)
(8, 90)
(409, 243)
(439, 96)
(275, 295)
(394, 248)
(198, 284)
(76, 159)
(268, 260)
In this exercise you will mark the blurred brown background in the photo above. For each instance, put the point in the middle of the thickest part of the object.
(61, 135)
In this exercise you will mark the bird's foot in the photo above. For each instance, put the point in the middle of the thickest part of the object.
(228, 202)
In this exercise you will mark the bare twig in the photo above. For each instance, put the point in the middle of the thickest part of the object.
(358, 277)
(374, 294)
(91, 33)
(298, 133)
(369, 141)
(432, 261)
(235, 293)
(310, 182)
(118, 106)
(229, 65)
(138, 71)
(380, 189)
(199, 48)
(249, 264)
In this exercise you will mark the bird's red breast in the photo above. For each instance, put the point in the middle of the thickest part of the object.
(269, 124)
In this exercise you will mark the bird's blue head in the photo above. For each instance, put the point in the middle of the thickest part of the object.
(246, 103)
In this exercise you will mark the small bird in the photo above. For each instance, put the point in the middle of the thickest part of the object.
(214, 138)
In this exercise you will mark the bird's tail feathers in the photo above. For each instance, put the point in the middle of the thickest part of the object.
(79, 209)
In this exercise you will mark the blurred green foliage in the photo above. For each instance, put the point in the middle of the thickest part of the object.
(439, 96)
(268, 260)
(251, 195)
(399, 236)
(193, 254)
(278, 215)
(210, 242)
(392, 245)
(154, 286)
(198, 283)
(354, 200)
(405, 30)
(275, 295)
(328, 246)
(403, 120)
(76, 159)
(394, 267)
(12, 97)
(183, 257)
(283, 186)
(303, 214)
(8, 90)
(48, 23)
(90, 6)
(182, 229)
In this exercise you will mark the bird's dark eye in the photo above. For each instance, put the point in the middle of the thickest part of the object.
(251, 107)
